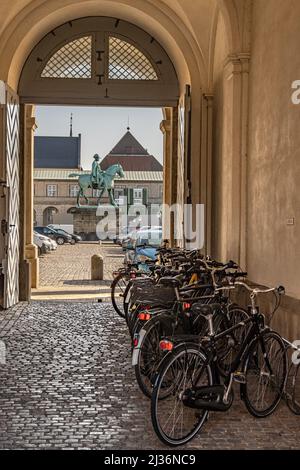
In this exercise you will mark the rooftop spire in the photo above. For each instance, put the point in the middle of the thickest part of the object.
(71, 125)
(128, 126)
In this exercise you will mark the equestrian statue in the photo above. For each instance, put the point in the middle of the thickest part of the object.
(98, 179)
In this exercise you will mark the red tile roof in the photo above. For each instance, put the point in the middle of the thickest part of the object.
(131, 155)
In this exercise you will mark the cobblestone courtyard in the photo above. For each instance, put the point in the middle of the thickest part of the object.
(66, 272)
(68, 384)
(71, 264)
(68, 381)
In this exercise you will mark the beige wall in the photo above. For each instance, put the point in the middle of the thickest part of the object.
(273, 250)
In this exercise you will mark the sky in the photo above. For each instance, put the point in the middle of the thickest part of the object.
(101, 128)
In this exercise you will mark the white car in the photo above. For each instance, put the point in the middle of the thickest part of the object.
(41, 240)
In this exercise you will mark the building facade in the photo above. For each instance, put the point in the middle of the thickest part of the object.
(55, 192)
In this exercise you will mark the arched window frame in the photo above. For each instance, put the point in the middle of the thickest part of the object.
(101, 89)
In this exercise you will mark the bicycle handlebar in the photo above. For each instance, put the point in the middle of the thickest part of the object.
(256, 290)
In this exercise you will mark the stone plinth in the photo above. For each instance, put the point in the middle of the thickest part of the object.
(85, 220)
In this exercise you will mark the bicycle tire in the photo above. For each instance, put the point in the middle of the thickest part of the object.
(293, 389)
(256, 365)
(230, 345)
(144, 376)
(200, 416)
(119, 306)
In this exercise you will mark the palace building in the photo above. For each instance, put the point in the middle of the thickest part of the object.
(55, 192)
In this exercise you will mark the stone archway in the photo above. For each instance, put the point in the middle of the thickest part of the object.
(172, 26)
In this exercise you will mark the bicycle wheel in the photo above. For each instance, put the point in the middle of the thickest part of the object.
(174, 423)
(293, 389)
(265, 374)
(118, 288)
(229, 346)
(149, 355)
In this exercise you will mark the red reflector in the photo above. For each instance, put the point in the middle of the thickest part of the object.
(144, 316)
(186, 306)
(132, 275)
(166, 345)
(135, 342)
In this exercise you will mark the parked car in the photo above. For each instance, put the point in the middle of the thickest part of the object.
(75, 238)
(43, 243)
(60, 238)
(132, 236)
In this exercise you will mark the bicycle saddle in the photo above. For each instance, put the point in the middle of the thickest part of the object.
(205, 310)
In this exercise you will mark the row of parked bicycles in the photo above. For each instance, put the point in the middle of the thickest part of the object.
(193, 345)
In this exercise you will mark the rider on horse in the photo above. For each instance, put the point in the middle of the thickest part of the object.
(96, 176)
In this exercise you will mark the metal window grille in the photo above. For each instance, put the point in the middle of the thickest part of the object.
(73, 60)
(126, 62)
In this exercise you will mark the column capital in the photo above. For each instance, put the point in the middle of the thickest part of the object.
(31, 123)
(165, 126)
(209, 97)
(237, 63)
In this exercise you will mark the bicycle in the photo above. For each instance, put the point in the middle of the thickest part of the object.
(188, 383)
(183, 318)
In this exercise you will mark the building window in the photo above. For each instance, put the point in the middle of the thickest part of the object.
(96, 193)
(126, 62)
(74, 188)
(51, 190)
(73, 60)
(119, 196)
(138, 196)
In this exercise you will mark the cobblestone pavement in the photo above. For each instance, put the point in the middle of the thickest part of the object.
(70, 265)
(68, 384)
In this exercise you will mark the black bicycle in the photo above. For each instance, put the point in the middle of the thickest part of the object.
(189, 384)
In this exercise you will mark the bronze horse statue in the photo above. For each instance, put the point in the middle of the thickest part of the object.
(106, 183)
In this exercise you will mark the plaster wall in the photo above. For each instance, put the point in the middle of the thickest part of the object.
(273, 251)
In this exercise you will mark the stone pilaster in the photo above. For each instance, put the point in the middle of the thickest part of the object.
(31, 252)
(236, 89)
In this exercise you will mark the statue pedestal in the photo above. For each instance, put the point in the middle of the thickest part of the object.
(85, 221)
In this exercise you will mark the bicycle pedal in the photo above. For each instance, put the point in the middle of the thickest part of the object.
(239, 377)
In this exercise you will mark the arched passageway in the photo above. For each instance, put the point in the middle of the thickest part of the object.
(49, 215)
(178, 47)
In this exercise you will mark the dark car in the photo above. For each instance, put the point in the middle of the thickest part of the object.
(60, 238)
(75, 238)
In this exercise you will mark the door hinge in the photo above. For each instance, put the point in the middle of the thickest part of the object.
(4, 226)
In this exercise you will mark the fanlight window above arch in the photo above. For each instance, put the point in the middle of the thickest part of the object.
(127, 62)
(73, 60)
(99, 61)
